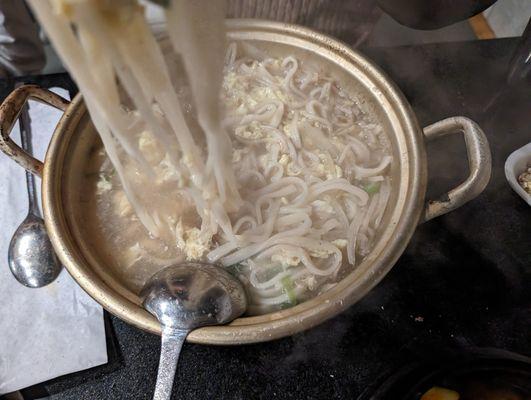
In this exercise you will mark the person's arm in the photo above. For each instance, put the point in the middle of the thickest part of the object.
(21, 50)
(432, 14)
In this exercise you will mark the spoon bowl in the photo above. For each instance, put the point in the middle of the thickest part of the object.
(191, 295)
(31, 257)
(185, 297)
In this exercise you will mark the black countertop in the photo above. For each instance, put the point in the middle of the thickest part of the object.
(463, 282)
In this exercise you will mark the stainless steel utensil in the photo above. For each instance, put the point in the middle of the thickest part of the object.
(31, 257)
(184, 297)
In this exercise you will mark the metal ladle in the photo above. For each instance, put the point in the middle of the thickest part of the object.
(31, 257)
(185, 297)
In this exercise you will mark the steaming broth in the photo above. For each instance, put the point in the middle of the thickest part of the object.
(312, 172)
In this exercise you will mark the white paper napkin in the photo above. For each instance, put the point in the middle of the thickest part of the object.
(47, 332)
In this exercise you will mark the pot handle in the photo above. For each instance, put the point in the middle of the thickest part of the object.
(479, 164)
(9, 112)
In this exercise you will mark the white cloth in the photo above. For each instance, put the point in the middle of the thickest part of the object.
(47, 332)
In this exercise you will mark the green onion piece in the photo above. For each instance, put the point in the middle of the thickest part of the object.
(289, 288)
(286, 304)
(235, 269)
(372, 187)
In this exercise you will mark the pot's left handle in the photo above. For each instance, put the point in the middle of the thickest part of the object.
(9, 112)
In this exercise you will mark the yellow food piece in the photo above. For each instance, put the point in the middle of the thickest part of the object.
(438, 393)
(341, 243)
(190, 241)
(150, 148)
(103, 185)
(121, 204)
(286, 260)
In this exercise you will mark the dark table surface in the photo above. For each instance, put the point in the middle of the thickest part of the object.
(463, 283)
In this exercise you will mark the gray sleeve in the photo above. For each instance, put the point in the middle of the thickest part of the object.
(349, 20)
(21, 50)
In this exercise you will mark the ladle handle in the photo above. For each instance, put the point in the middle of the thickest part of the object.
(9, 113)
(479, 164)
(171, 345)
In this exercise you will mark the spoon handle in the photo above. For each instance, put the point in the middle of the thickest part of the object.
(25, 139)
(172, 342)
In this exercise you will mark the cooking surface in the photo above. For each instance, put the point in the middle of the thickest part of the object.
(462, 283)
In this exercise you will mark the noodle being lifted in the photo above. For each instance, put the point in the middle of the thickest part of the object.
(285, 184)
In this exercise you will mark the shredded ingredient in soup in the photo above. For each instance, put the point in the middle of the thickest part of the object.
(262, 164)
(524, 179)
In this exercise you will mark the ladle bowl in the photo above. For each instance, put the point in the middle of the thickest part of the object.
(184, 297)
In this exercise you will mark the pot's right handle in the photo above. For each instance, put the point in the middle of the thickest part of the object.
(479, 162)
(9, 112)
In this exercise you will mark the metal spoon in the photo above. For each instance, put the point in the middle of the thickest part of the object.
(31, 257)
(184, 297)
